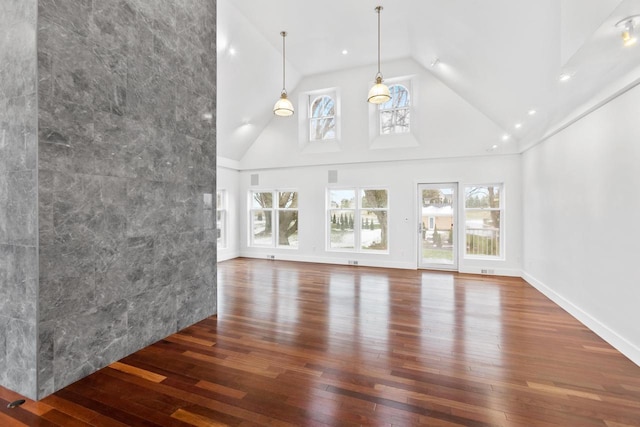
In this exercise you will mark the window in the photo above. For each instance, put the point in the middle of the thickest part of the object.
(274, 207)
(221, 218)
(319, 124)
(357, 219)
(395, 114)
(322, 118)
(484, 210)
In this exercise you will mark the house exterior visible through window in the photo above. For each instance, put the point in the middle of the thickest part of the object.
(357, 220)
(322, 117)
(395, 114)
(484, 213)
(274, 219)
(221, 218)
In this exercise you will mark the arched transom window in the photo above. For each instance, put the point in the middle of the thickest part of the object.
(395, 114)
(322, 118)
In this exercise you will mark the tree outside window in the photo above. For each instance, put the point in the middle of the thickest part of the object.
(395, 114)
(357, 219)
(322, 118)
(264, 214)
(484, 210)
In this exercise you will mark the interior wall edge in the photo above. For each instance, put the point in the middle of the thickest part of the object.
(620, 343)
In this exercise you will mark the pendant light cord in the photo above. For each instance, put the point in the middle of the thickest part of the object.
(378, 9)
(283, 34)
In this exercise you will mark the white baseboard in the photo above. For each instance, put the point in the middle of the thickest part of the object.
(620, 343)
(509, 272)
(332, 260)
(227, 255)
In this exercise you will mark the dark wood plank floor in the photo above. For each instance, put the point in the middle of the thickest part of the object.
(314, 345)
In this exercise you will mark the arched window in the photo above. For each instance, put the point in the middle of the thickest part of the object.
(395, 114)
(322, 118)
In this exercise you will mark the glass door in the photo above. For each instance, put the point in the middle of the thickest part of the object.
(437, 242)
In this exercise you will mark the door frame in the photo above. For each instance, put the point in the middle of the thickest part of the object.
(456, 243)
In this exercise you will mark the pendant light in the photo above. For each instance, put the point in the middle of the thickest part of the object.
(379, 93)
(283, 107)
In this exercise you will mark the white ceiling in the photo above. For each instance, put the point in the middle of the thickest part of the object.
(503, 56)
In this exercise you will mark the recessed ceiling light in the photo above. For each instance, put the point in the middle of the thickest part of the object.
(494, 146)
(518, 125)
(629, 28)
(345, 51)
(532, 112)
(564, 77)
(232, 51)
(506, 137)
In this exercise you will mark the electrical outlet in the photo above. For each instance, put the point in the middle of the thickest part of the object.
(487, 271)
(352, 262)
(271, 257)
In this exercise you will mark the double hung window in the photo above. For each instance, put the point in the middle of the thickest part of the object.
(357, 219)
(484, 213)
(274, 219)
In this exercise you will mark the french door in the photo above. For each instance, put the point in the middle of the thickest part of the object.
(438, 231)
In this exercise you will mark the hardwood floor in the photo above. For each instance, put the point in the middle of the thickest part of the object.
(314, 345)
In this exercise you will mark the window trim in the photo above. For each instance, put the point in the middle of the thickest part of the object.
(305, 142)
(406, 84)
(221, 208)
(502, 209)
(310, 118)
(357, 219)
(378, 141)
(274, 211)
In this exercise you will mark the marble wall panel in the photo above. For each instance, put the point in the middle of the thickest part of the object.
(18, 266)
(4, 206)
(17, 48)
(19, 372)
(18, 196)
(88, 341)
(17, 134)
(152, 316)
(125, 157)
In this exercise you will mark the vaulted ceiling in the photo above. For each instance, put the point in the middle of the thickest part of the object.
(504, 57)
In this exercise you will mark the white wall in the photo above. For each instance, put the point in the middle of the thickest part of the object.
(228, 179)
(401, 179)
(443, 124)
(581, 235)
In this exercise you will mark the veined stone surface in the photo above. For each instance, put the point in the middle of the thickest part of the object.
(105, 239)
(18, 196)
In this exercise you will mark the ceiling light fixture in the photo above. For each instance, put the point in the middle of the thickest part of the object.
(628, 26)
(564, 77)
(283, 106)
(506, 137)
(518, 125)
(379, 93)
(532, 112)
(345, 52)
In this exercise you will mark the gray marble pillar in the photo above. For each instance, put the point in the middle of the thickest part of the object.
(105, 226)
(18, 196)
